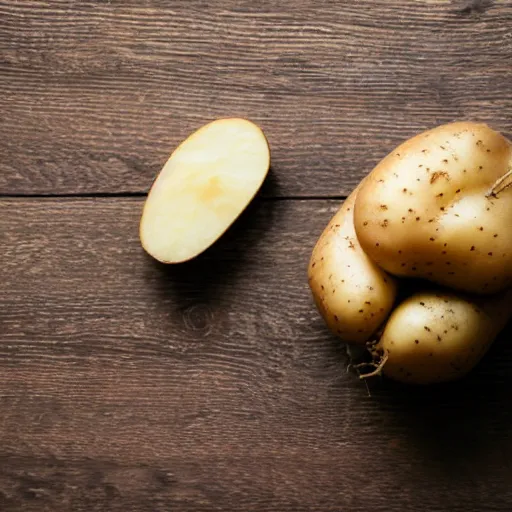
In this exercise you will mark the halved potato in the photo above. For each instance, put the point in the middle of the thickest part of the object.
(204, 186)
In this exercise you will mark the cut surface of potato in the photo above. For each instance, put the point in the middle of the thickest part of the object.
(204, 186)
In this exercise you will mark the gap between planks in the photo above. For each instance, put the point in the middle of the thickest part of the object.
(101, 195)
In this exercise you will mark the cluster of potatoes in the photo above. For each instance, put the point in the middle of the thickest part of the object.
(417, 263)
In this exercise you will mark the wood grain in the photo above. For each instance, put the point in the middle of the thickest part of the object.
(129, 386)
(96, 94)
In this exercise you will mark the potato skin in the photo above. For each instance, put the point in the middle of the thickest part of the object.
(435, 337)
(353, 295)
(424, 210)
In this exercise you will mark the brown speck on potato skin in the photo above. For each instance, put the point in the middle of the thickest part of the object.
(457, 191)
(365, 223)
(417, 342)
(404, 190)
(426, 328)
(336, 319)
(438, 174)
(495, 235)
(472, 248)
(443, 252)
(383, 207)
(481, 228)
(489, 254)
(417, 219)
(432, 239)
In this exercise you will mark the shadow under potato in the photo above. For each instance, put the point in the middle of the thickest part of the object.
(454, 423)
(212, 274)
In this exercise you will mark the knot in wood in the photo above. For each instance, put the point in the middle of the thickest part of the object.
(198, 317)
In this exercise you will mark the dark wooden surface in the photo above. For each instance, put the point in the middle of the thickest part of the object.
(126, 385)
(95, 94)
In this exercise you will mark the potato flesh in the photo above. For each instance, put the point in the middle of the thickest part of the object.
(423, 211)
(435, 337)
(353, 295)
(204, 186)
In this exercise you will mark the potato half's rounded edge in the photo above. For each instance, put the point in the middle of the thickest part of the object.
(207, 182)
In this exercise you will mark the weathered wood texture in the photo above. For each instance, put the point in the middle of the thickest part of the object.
(96, 94)
(129, 386)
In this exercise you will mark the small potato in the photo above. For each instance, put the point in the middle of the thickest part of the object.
(435, 337)
(439, 207)
(204, 186)
(353, 295)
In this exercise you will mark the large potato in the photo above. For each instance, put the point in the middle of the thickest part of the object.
(204, 186)
(439, 336)
(426, 210)
(353, 295)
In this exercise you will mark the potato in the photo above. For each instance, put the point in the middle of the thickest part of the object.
(353, 295)
(440, 336)
(429, 209)
(204, 186)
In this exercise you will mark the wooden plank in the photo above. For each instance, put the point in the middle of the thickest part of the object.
(129, 386)
(95, 95)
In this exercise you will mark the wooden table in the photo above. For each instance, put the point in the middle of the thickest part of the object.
(215, 386)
